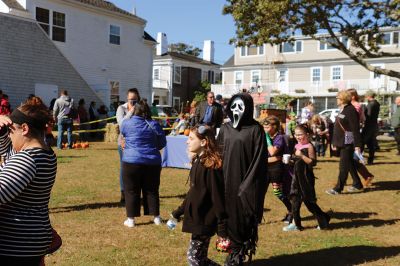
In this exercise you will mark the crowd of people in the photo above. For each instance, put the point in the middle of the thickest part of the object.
(234, 158)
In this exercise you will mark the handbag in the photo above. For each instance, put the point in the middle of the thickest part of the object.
(348, 135)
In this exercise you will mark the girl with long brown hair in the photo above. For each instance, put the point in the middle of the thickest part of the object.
(203, 207)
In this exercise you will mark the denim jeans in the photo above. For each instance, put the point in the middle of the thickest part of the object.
(64, 124)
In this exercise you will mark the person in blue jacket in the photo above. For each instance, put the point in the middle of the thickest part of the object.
(141, 163)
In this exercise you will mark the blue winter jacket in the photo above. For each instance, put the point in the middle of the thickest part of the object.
(142, 143)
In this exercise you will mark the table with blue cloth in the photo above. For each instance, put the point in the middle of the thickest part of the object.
(175, 152)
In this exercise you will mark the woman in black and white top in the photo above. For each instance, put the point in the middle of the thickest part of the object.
(26, 178)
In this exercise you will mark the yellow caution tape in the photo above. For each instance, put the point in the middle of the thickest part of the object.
(114, 117)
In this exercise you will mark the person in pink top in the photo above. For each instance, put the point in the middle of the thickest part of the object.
(361, 168)
(302, 187)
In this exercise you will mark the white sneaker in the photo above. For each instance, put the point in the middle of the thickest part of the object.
(129, 222)
(157, 220)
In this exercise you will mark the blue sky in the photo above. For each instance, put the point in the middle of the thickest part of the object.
(187, 21)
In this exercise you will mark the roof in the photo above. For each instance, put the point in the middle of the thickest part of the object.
(13, 4)
(185, 57)
(230, 62)
(107, 6)
(148, 37)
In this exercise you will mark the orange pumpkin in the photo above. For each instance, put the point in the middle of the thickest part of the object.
(186, 132)
(78, 145)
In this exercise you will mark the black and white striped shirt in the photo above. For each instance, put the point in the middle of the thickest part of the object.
(26, 180)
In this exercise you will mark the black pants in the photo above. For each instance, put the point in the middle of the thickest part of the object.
(312, 207)
(397, 138)
(143, 179)
(346, 165)
(20, 261)
(362, 170)
(369, 139)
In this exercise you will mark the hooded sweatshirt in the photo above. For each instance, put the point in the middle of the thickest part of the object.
(62, 106)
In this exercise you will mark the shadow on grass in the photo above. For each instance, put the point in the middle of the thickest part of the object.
(344, 215)
(71, 156)
(90, 206)
(180, 196)
(361, 223)
(386, 185)
(332, 256)
(377, 163)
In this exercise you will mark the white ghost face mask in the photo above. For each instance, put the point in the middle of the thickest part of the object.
(237, 108)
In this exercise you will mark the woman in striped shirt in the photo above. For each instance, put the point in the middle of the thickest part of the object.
(26, 178)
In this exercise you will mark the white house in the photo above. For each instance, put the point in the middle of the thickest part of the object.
(177, 75)
(306, 69)
(107, 46)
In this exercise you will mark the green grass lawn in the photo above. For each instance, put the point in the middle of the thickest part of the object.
(85, 210)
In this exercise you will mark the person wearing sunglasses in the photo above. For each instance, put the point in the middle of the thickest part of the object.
(125, 111)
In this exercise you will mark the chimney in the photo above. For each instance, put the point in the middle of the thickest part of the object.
(162, 43)
(208, 51)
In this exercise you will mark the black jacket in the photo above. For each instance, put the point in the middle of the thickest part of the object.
(203, 206)
(217, 114)
(349, 120)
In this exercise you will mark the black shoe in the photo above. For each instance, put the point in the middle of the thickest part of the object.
(325, 224)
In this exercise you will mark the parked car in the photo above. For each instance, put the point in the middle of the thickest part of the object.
(166, 110)
(331, 113)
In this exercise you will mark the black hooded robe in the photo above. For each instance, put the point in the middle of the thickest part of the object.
(244, 151)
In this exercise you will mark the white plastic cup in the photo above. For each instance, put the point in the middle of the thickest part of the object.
(171, 224)
(286, 158)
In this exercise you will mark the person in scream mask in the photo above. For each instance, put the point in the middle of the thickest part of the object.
(244, 151)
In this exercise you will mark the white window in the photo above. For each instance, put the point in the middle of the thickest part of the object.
(316, 75)
(325, 46)
(156, 73)
(204, 76)
(395, 38)
(115, 34)
(282, 75)
(294, 47)
(377, 80)
(251, 50)
(210, 77)
(218, 77)
(336, 73)
(390, 38)
(386, 38)
(177, 74)
(261, 50)
(58, 33)
(177, 103)
(376, 75)
(55, 28)
(255, 76)
(238, 77)
(243, 51)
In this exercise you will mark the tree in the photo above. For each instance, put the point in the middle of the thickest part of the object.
(282, 100)
(361, 21)
(200, 94)
(184, 48)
